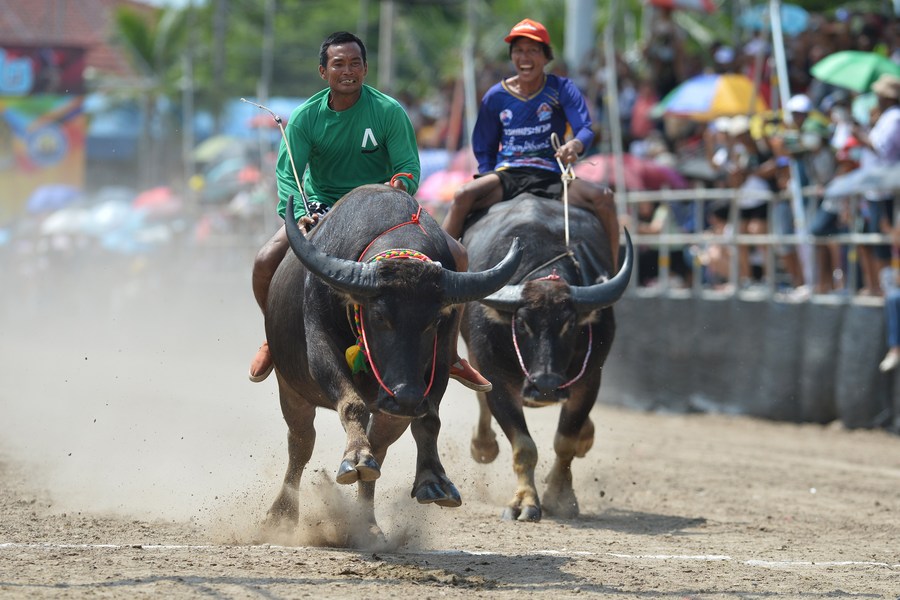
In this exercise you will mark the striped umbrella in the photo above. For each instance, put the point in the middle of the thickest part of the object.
(710, 96)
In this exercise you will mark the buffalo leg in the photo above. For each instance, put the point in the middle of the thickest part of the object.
(525, 505)
(358, 463)
(484, 447)
(574, 437)
(300, 417)
(383, 431)
(431, 484)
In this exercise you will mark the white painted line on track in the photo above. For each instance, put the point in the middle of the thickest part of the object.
(565, 552)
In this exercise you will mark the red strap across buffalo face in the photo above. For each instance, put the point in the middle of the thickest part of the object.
(360, 325)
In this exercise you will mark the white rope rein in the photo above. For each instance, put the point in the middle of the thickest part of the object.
(567, 175)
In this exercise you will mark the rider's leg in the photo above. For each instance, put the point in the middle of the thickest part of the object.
(267, 260)
(479, 193)
(460, 369)
(601, 201)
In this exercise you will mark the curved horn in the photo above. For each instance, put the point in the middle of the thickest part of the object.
(348, 276)
(586, 298)
(601, 295)
(465, 287)
(508, 299)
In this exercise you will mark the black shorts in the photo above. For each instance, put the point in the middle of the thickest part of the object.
(760, 212)
(540, 182)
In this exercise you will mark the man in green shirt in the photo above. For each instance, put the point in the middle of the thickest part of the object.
(344, 136)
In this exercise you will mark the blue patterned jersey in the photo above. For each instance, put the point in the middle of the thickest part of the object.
(514, 131)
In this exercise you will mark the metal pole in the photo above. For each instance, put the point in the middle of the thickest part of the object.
(471, 102)
(386, 47)
(187, 101)
(784, 94)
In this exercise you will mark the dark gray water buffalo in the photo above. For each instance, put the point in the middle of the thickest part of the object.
(542, 339)
(376, 249)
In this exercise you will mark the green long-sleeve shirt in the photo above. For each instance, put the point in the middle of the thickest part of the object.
(336, 152)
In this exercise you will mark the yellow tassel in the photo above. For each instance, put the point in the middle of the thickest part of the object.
(350, 354)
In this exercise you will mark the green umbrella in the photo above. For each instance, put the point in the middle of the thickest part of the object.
(853, 69)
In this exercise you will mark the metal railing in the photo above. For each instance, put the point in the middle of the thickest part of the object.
(803, 242)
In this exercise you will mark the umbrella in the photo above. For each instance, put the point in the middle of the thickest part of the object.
(706, 6)
(158, 201)
(52, 197)
(640, 174)
(709, 96)
(265, 121)
(794, 19)
(72, 220)
(882, 178)
(441, 185)
(853, 69)
(216, 147)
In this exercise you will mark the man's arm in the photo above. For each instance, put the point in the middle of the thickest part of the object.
(576, 110)
(486, 138)
(285, 176)
(404, 151)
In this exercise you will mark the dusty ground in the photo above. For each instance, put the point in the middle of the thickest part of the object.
(136, 460)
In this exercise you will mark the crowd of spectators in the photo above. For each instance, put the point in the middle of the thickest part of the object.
(824, 129)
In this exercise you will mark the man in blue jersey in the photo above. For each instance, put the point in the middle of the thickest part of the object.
(512, 139)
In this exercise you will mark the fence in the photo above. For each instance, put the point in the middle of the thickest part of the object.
(757, 351)
(700, 238)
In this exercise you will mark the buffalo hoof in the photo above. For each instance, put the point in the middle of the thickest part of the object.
(563, 507)
(484, 451)
(365, 470)
(531, 514)
(285, 509)
(442, 493)
(369, 538)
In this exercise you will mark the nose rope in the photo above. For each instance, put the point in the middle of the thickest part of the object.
(552, 277)
(361, 348)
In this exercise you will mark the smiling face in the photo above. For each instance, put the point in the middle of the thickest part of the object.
(529, 60)
(345, 71)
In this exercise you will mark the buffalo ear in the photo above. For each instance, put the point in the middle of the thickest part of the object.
(496, 316)
(589, 318)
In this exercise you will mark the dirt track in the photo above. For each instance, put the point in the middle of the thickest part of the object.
(137, 461)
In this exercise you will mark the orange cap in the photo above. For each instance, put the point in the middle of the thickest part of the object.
(529, 29)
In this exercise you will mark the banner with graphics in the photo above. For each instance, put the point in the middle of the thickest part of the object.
(29, 71)
(42, 123)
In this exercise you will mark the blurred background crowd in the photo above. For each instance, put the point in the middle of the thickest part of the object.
(123, 133)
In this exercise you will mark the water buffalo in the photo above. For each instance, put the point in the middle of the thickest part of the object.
(378, 251)
(542, 339)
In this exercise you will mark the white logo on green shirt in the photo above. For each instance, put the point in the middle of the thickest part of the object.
(367, 136)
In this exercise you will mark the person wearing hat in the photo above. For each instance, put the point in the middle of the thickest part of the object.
(881, 148)
(513, 138)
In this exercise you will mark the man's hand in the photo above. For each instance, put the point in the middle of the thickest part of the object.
(568, 153)
(397, 183)
(306, 222)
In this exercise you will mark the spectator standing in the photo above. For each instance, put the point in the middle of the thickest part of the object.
(881, 147)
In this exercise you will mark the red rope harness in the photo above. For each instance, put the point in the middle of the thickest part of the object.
(552, 277)
(358, 323)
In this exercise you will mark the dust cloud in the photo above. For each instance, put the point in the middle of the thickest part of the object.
(124, 392)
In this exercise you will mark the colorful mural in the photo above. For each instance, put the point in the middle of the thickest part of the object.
(42, 122)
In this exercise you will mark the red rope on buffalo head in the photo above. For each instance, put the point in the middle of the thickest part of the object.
(525, 369)
(362, 341)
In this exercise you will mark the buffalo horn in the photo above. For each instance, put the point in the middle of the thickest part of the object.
(586, 298)
(465, 287)
(601, 295)
(348, 276)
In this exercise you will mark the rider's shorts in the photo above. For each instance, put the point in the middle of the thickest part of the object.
(540, 182)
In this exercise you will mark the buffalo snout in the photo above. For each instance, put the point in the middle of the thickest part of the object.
(407, 401)
(545, 388)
